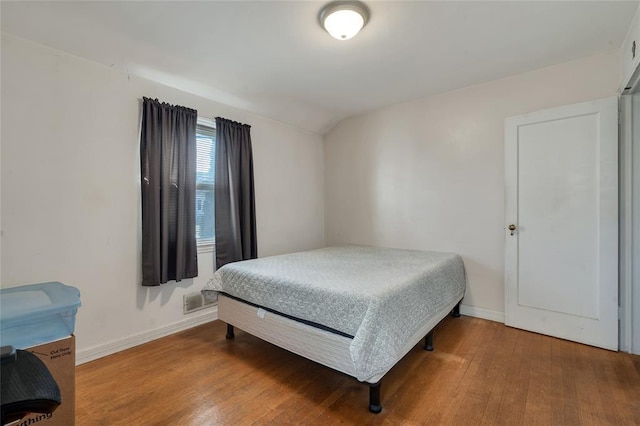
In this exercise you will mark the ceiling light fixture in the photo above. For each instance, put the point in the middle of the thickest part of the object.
(344, 19)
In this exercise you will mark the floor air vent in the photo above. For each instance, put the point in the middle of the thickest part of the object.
(193, 302)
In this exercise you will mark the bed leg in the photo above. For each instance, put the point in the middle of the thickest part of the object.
(230, 334)
(456, 311)
(428, 341)
(374, 398)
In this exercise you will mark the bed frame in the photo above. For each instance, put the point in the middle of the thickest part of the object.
(319, 345)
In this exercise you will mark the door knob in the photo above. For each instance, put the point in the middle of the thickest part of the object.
(512, 228)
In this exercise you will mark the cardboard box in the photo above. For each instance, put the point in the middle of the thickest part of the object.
(60, 358)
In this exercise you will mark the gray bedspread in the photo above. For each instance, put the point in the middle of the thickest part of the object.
(379, 296)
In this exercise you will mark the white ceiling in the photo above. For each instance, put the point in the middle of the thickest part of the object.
(272, 57)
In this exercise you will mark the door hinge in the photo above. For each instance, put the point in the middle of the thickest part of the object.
(619, 312)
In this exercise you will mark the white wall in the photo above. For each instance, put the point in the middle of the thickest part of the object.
(429, 174)
(71, 198)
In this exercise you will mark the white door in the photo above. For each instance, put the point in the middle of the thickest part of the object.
(561, 276)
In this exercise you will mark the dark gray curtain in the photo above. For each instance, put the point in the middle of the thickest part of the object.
(235, 211)
(168, 168)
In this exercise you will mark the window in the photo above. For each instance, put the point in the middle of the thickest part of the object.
(205, 175)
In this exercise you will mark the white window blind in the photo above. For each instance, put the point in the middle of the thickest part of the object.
(205, 175)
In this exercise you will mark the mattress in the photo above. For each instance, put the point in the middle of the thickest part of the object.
(381, 297)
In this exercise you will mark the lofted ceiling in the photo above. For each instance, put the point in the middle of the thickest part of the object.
(272, 58)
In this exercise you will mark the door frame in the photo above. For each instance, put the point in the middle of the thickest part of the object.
(630, 221)
(625, 294)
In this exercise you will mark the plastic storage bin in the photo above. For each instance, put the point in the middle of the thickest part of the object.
(38, 313)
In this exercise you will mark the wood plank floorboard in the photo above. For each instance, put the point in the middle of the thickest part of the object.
(481, 372)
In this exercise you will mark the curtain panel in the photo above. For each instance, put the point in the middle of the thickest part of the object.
(235, 211)
(168, 182)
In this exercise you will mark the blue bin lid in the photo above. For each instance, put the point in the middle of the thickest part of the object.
(37, 300)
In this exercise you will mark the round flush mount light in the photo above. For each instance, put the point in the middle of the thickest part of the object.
(344, 19)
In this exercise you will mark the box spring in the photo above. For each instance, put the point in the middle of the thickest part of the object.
(322, 346)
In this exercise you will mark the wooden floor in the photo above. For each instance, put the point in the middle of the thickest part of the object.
(481, 372)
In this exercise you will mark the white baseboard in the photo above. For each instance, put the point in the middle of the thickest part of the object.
(99, 351)
(104, 349)
(487, 314)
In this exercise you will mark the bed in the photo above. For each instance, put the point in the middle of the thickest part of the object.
(355, 309)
